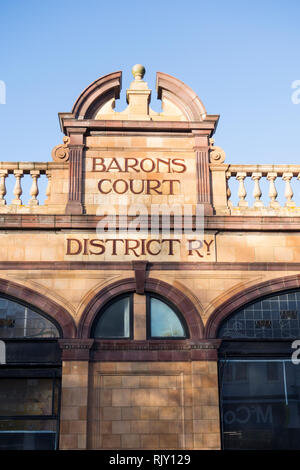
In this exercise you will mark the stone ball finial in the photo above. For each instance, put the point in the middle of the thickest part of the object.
(138, 71)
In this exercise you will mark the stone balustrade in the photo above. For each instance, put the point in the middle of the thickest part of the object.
(11, 198)
(236, 189)
(256, 189)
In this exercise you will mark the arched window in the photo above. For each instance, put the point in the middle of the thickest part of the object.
(275, 317)
(115, 320)
(259, 381)
(163, 320)
(19, 321)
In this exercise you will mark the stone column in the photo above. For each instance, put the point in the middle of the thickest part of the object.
(202, 168)
(76, 148)
(74, 394)
(219, 188)
(139, 305)
(206, 413)
(205, 395)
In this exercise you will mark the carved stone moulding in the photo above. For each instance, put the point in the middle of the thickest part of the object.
(216, 154)
(61, 153)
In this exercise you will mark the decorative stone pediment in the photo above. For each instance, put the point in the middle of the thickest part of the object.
(97, 101)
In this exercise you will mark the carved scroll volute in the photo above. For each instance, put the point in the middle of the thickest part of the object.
(216, 154)
(60, 153)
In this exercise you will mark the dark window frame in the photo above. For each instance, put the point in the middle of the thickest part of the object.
(30, 372)
(23, 367)
(181, 318)
(38, 312)
(223, 362)
(102, 311)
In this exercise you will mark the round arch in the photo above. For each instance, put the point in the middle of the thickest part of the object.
(54, 311)
(244, 297)
(181, 95)
(96, 95)
(161, 288)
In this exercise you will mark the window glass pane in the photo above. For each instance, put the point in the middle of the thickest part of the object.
(262, 411)
(164, 321)
(114, 322)
(277, 317)
(28, 435)
(26, 396)
(18, 321)
(273, 371)
(292, 374)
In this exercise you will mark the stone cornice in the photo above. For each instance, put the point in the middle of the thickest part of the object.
(151, 266)
(86, 222)
(69, 125)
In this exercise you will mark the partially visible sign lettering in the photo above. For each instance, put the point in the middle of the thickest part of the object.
(288, 314)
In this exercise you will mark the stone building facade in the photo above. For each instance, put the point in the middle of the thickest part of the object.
(130, 336)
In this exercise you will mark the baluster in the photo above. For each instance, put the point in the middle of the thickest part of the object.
(288, 193)
(256, 190)
(18, 189)
(228, 190)
(3, 175)
(34, 191)
(48, 189)
(272, 190)
(242, 193)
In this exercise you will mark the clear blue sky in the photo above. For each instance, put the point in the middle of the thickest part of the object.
(240, 57)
